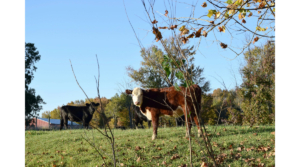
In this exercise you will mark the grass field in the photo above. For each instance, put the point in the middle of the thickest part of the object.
(233, 146)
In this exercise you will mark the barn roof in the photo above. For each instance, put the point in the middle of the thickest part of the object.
(56, 121)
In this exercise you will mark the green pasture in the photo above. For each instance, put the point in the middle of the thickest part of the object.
(233, 145)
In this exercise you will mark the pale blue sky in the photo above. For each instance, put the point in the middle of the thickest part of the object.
(78, 30)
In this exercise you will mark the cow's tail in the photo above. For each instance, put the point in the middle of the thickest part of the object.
(61, 121)
(198, 94)
(199, 98)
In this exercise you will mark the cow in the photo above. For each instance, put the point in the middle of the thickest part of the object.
(82, 114)
(180, 121)
(139, 118)
(168, 101)
(121, 127)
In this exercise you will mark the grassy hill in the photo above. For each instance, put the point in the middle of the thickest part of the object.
(233, 145)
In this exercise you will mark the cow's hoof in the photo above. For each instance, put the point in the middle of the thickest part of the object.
(153, 136)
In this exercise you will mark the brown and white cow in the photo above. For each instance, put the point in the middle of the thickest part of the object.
(169, 102)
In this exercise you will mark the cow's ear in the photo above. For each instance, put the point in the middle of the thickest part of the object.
(87, 104)
(128, 91)
(97, 104)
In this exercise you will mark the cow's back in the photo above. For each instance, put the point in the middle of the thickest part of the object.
(75, 113)
(176, 98)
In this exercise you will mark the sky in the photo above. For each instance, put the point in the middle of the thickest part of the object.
(77, 31)
(34, 21)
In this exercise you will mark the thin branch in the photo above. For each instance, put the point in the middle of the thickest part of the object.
(187, 126)
(95, 149)
(177, 18)
(77, 81)
(224, 7)
(270, 8)
(252, 31)
(106, 135)
(141, 46)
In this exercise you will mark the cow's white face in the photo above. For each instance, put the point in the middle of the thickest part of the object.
(137, 96)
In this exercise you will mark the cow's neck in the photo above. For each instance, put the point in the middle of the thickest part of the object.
(90, 109)
(143, 106)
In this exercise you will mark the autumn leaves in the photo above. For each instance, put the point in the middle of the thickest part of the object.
(157, 33)
(184, 32)
(219, 17)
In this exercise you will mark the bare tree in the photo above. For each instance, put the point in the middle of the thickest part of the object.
(107, 132)
(225, 18)
(181, 64)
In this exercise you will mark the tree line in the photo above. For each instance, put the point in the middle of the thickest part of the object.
(251, 103)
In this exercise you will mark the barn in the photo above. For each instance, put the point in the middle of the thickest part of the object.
(43, 123)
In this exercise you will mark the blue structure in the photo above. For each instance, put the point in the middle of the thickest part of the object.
(56, 121)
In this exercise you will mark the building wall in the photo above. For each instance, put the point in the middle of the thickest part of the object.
(40, 124)
(45, 125)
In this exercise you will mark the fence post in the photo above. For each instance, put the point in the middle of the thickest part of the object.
(35, 123)
(49, 122)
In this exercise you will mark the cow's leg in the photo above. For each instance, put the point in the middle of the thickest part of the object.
(155, 119)
(136, 122)
(142, 124)
(198, 124)
(149, 124)
(188, 121)
(61, 123)
(182, 120)
(66, 122)
(136, 126)
(84, 124)
(177, 121)
(188, 128)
